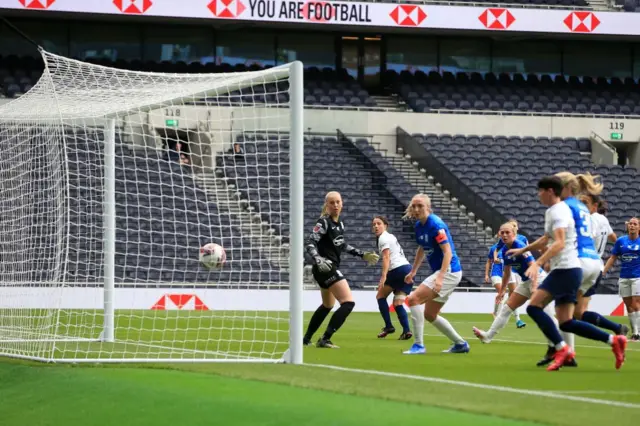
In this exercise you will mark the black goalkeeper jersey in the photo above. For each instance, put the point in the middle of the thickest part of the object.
(327, 240)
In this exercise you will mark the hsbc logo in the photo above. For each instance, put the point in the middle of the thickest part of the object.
(497, 18)
(408, 15)
(37, 4)
(133, 7)
(226, 8)
(581, 22)
(181, 302)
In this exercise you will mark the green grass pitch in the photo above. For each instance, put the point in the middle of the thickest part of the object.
(266, 394)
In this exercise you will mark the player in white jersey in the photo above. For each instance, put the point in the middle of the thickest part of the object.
(564, 279)
(395, 267)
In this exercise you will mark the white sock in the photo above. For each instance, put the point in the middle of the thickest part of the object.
(447, 329)
(417, 322)
(516, 314)
(569, 339)
(500, 321)
(634, 319)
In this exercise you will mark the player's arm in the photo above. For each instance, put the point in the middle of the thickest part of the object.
(612, 237)
(447, 255)
(610, 262)
(371, 257)
(386, 262)
(537, 245)
(496, 252)
(311, 245)
(487, 268)
(416, 265)
(615, 252)
(506, 276)
(555, 248)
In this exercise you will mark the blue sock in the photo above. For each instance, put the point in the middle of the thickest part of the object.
(600, 321)
(545, 323)
(402, 317)
(584, 329)
(384, 311)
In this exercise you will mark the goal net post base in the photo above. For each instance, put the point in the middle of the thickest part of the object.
(100, 250)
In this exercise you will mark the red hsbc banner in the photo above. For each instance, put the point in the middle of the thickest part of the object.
(324, 12)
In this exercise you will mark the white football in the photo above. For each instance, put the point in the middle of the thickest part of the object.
(212, 256)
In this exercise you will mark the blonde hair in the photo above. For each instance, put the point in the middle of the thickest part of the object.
(423, 197)
(580, 184)
(326, 198)
(514, 224)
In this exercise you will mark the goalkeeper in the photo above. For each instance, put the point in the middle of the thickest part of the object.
(325, 245)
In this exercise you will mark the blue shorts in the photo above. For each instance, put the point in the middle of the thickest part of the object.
(395, 279)
(563, 285)
(594, 287)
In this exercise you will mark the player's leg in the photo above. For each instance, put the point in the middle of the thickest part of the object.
(565, 303)
(319, 315)
(399, 296)
(629, 289)
(434, 303)
(592, 275)
(496, 280)
(341, 292)
(516, 281)
(518, 297)
(383, 307)
(416, 307)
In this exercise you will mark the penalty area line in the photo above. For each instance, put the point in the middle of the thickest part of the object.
(528, 392)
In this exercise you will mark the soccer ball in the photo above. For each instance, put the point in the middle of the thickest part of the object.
(212, 256)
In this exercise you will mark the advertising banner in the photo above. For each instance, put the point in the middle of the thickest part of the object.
(366, 14)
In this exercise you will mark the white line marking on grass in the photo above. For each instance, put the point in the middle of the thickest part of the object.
(531, 342)
(529, 392)
(599, 392)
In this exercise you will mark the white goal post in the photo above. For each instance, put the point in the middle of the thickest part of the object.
(110, 182)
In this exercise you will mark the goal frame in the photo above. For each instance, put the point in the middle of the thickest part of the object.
(294, 354)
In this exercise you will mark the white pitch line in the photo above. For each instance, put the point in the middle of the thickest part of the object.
(529, 392)
(530, 342)
(599, 392)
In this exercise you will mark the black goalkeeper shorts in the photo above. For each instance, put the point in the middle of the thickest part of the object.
(327, 279)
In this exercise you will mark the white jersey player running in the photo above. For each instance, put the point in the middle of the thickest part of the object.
(564, 279)
(395, 267)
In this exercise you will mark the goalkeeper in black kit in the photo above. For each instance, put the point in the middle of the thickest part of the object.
(325, 245)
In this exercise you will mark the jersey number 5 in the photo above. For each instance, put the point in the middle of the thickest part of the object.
(585, 229)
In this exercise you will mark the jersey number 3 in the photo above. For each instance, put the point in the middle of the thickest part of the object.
(585, 229)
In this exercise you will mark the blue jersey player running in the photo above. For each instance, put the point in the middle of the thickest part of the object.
(627, 249)
(564, 279)
(513, 264)
(426, 301)
(395, 267)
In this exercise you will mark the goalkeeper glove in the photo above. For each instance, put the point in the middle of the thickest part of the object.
(324, 265)
(371, 257)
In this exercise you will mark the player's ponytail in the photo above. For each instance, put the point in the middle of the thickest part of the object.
(603, 207)
(588, 185)
(570, 181)
(514, 225)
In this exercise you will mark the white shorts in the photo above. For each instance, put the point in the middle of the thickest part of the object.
(515, 278)
(496, 280)
(627, 287)
(524, 288)
(449, 284)
(591, 269)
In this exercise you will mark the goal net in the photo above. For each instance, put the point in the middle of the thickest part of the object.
(110, 182)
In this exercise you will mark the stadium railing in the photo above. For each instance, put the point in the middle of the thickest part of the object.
(473, 202)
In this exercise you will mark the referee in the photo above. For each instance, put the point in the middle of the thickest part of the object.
(325, 245)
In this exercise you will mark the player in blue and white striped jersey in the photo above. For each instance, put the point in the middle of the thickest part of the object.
(627, 248)
(564, 279)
